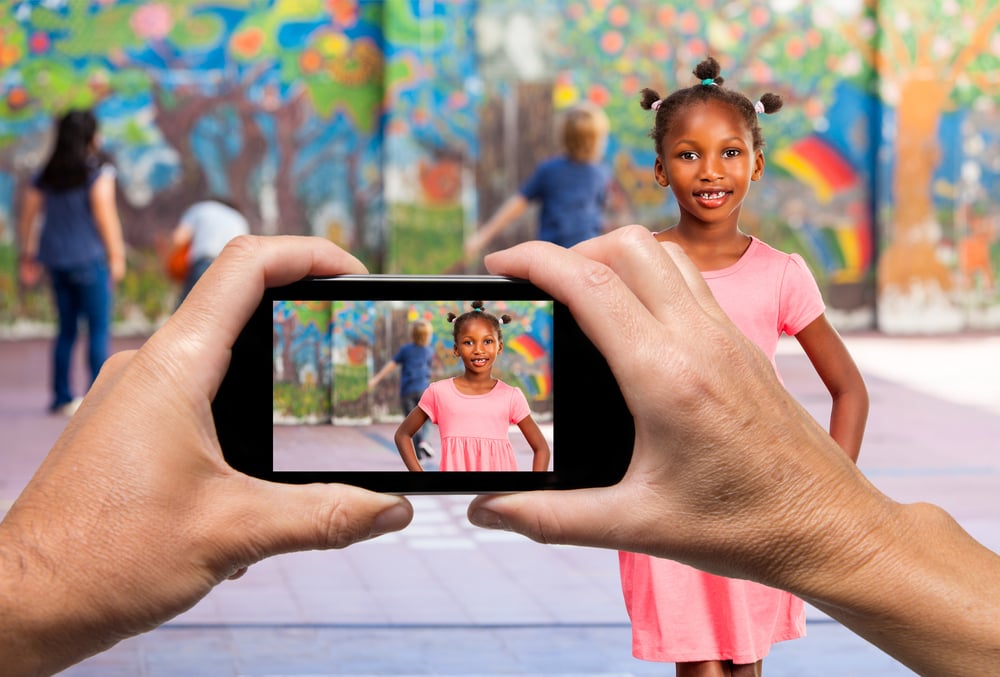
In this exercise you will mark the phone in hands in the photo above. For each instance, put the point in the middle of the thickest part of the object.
(589, 428)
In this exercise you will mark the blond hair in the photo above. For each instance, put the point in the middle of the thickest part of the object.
(421, 332)
(585, 132)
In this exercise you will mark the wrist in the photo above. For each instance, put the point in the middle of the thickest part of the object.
(42, 630)
(22, 632)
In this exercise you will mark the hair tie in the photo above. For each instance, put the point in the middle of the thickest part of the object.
(708, 81)
(477, 310)
(656, 104)
(759, 107)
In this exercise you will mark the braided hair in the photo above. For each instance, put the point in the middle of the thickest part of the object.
(709, 88)
(477, 313)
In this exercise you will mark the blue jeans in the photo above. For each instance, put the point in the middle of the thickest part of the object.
(85, 291)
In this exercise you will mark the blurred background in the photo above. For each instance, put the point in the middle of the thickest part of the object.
(394, 128)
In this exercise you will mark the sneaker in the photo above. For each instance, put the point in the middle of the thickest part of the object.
(67, 409)
(428, 450)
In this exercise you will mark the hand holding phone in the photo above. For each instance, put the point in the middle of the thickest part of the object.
(584, 413)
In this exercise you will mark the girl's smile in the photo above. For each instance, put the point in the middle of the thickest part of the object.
(712, 200)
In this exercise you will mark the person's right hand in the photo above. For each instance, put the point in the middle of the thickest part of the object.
(731, 475)
(29, 272)
(724, 459)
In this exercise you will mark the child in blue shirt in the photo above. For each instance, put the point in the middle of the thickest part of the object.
(414, 360)
(571, 189)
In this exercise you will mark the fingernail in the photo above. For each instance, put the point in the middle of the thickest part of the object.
(392, 519)
(488, 519)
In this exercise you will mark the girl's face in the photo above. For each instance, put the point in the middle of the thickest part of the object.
(478, 345)
(708, 162)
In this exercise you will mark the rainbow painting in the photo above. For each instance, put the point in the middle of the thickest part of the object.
(527, 347)
(543, 386)
(819, 165)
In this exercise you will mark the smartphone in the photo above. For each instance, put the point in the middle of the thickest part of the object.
(296, 405)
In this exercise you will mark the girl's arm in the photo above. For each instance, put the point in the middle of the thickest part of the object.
(404, 438)
(836, 368)
(102, 200)
(31, 207)
(536, 440)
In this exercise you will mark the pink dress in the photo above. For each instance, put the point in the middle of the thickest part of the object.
(681, 614)
(474, 427)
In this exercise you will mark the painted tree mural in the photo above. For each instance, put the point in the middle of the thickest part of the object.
(432, 93)
(934, 58)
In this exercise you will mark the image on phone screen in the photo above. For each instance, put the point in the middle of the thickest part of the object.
(356, 384)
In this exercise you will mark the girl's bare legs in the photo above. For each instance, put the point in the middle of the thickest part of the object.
(720, 669)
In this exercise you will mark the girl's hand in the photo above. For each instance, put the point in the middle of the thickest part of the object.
(134, 515)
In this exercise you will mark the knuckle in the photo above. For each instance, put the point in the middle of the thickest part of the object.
(242, 246)
(339, 527)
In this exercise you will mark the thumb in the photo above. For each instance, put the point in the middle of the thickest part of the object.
(567, 517)
(280, 518)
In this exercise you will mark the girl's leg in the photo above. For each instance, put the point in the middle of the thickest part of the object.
(95, 298)
(747, 669)
(409, 402)
(67, 302)
(719, 669)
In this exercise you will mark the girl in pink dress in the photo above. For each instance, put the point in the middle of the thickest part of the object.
(709, 148)
(474, 410)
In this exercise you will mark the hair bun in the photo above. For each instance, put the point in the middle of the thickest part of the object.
(709, 69)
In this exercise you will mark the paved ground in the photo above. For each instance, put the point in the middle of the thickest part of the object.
(444, 598)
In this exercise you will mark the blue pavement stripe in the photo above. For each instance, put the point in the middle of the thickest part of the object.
(380, 440)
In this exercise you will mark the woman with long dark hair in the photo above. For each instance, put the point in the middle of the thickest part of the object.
(80, 244)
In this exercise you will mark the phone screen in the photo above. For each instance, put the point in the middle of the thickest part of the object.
(347, 373)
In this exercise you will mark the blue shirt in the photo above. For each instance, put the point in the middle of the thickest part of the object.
(415, 367)
(572, 196)
(69, 232)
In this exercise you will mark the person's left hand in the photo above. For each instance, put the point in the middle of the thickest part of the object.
(134, 515)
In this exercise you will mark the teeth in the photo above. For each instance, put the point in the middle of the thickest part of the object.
(711, 196)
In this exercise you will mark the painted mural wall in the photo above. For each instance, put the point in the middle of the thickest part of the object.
(325, 353)
(394, 127)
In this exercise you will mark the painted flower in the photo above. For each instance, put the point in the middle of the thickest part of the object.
(39, 43)
(618, 16)
(612, 42)
(152, 21)
(247, 43)
(343, 12)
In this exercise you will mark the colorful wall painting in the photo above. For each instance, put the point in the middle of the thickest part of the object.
(301, 369)
(394, 128)
(325, 353)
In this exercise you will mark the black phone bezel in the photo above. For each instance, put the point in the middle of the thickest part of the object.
(593, 430)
